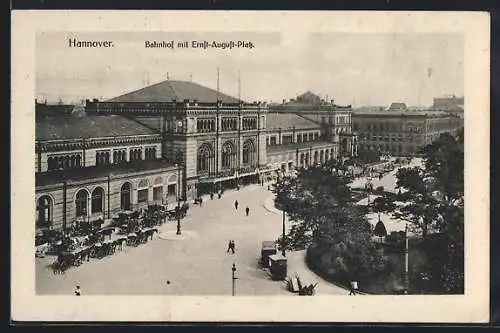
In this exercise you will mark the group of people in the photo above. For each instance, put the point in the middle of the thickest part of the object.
(247, 210)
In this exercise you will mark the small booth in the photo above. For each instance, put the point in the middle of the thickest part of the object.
(278, 266)
(268, 248)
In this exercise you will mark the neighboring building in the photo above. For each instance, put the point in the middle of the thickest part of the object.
(169, 141)
(400, 131)
(309, 130)
(451, 104)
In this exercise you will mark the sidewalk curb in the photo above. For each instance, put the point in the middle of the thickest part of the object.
(269, 206)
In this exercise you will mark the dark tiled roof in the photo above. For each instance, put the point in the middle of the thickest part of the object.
(91, 126)
(289, 120)
(398, 106)
(168, 90)
(89, 173)
(53, 109)
(292, 147)
(309, 97)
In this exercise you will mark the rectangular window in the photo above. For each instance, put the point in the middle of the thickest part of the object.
(157, 193)
(142, 195)
(287, 139)
(171, 190)
(272, 141)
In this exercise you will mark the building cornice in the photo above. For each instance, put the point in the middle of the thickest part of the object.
(89, 143)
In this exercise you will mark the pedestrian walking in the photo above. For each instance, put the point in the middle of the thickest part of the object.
(247, 210)
(236, 204)
(78, 292)
(211, 195)
(201, 201)
(354, 288)
(232, 246)
(220, 194)
(229, 246)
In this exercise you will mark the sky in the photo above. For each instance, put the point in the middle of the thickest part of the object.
(352, 68)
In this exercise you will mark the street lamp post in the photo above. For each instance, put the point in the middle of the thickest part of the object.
(283, 236)
(234, 278)
(406, 276)
(178, 200)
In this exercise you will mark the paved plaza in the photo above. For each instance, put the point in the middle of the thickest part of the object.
(195, 263)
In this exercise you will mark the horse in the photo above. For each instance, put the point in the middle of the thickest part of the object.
(107, 232)
(132, 240)
(86, 253)
(150, 232)
(119, 243)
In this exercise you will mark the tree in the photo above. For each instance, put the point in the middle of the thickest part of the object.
(434, 203)
(326, 221)
(311, 200)
(383, 204)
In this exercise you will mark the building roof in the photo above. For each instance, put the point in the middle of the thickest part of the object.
(88, 126)
(43, 109)
(309, 98)
(399, 113)
(95, 172)
(168, 90)
(398, 106)
(288, 121)
(292, 147)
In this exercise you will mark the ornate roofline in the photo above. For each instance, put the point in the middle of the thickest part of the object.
(89, 143)
(170, 107)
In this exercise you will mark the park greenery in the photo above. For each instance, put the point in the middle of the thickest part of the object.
(326, 221)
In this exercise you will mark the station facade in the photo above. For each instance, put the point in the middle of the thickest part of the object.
(174, 140)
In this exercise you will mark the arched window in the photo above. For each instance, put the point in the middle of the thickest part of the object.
(60, 162)
(316, 157)
(125, 197)
(72, 161)
(228, 155)
(322, 157)
(97, 200)
(205, 157)
(248, 152)
(50, 164)
(81, 202)
(78, 161)
(44, 212)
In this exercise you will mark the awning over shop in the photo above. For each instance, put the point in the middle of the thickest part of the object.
(235, 175)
